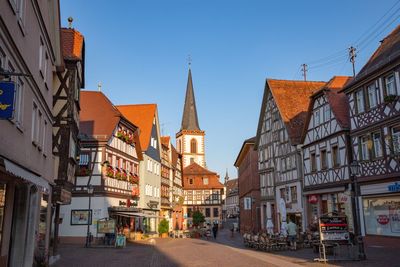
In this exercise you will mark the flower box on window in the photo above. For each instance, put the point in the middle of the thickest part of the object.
(83, 171)
(390, 98)
(110, 172)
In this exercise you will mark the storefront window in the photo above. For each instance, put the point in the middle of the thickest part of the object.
(2, 207)
(382, 216)
(43, 222)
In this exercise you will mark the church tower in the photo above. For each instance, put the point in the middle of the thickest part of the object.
(190, 139)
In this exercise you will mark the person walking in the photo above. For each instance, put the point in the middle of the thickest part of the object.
(215, 230)
(292, 234)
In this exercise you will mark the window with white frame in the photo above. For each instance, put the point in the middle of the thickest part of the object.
(327, 113)
(41, 56)
(372, 96)
(205, 180)
(390, 85)
(313, 162)
(316, 117)
(72, 147)
(324, 161)
(359, 95)
(283, 164)
(364, 151)
(247, 203)
(84, 159)
(35, 124)
(376, 139)
(44, 137)
(396, 139)
(40, 129)
(335, 156)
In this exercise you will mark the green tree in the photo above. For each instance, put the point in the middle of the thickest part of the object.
(163, 226)
(198, 218)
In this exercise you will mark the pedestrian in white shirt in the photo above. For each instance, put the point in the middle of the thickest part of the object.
(292, 234)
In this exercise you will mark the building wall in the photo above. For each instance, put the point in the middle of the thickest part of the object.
(249, 186)
(26, 28)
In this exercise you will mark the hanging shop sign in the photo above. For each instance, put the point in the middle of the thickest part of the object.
(333, 228)
(313, 199)
(7, 93)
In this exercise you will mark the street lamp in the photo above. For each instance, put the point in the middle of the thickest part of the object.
(354, 172)
(90, 190)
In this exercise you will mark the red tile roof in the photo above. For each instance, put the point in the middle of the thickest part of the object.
(196, 172)
(165, 140)
(292, 99)
(141, 115)
(337, 100)
(98, 116)
(387, 52)
(72, 44)
(231, 184)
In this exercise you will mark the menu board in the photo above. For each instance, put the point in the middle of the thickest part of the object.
(334, 228)
(106, 226)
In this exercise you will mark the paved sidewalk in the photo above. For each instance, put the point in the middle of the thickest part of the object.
(383, 252)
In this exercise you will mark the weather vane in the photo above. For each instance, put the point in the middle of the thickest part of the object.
(189, 60)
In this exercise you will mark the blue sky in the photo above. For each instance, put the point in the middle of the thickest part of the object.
(138, 50)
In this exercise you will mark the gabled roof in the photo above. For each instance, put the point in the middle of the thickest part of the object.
(243, 150)
(337, 100)
(189, 117)
(72, 44)
(174, 155)
(292, 99)
(231, 184)
(141, 115)
(165, 140)
(98, 116)
(198, 172)
(387, 52)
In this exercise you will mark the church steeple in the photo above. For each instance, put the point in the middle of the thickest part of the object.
(189, 118)
(226, 176)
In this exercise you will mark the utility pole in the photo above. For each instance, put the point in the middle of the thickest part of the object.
(304, 70)
(352, 56)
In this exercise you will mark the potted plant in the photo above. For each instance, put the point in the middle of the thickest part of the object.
(163, 228)
(198, 218)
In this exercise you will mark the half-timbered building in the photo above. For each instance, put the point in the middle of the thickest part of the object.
(66, 107)
(109, 164)
(166, 178)
(203, 192)
(375, 137)
(177, 190)
(282, 117)
(326, 158)
(145, 116)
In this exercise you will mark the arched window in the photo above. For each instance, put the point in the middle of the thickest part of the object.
(193, 146)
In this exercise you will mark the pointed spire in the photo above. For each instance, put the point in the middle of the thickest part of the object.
(189, 118)
(226, 176)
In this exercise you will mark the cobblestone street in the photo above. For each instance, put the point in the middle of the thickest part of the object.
(225, 251)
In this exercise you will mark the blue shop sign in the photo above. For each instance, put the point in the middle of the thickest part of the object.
(394, 187)
(7, 92)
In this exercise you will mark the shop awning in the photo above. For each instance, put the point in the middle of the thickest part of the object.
(129, 214)
(26, 175)
(325, 190)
